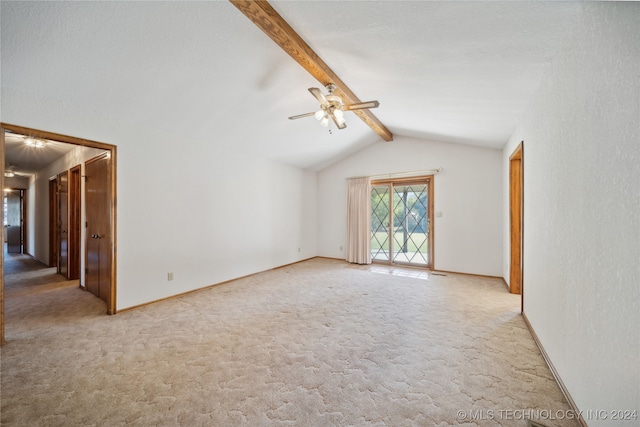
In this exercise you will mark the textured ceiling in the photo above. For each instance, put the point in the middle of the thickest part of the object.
(452, 71)
(25, 160)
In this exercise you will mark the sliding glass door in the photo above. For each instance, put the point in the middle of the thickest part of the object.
(380, 207)
(400, 221)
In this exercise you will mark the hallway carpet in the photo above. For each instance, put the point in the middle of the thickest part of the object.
(24, 275)
(318, 343)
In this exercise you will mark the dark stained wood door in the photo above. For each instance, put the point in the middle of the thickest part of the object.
(63, 224)
(98, 227)
(74, 222)
(14, 221)
(53, 222)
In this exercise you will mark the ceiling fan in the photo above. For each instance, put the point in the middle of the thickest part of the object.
(10, 172)
(331, 106)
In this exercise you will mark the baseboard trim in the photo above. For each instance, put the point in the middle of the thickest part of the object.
(436, 270)
(554, 372)
(37, 259)
(328, 257)
(433, 270)
(506, 285)
(204, 288)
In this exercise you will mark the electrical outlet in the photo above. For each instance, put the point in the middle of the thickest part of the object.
(298, 249)
(170, 276)
(341, 247)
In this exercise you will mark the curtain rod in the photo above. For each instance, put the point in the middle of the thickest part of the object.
(401, 174)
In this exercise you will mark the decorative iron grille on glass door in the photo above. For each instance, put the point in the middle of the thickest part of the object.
(400, 223)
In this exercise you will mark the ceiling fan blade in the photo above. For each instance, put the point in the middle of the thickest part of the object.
(339, 123)
(362, 105)
(319, 95)
(299, 116)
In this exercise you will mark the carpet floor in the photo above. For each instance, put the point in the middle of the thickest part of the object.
(318, 343)
(25, 275)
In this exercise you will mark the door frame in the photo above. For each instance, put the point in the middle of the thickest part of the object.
(516, 223)
(428, 179)
(111, 307)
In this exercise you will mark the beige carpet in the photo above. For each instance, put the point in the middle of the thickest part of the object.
(319, 343)
(24, 275)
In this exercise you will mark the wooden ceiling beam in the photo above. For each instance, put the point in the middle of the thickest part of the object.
(263, 15)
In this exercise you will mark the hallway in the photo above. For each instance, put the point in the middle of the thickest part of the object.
(24, 275)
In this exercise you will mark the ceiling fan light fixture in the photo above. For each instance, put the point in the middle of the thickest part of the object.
(34, 142)
(9, 174)
(332, 107)
(334, 99)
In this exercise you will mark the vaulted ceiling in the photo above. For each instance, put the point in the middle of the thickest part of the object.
(460, 72)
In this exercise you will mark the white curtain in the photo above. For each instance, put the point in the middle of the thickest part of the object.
(359, 220)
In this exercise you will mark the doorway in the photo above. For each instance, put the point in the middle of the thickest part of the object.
(516, 204)
(13, 220)
(74, 184)
(401, 225)
(65, 216)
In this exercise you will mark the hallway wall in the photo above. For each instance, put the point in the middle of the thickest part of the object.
(581, 136)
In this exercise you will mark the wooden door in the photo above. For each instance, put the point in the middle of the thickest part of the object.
(14, 221)
(63, 224)
(516, 188)
(53, 222)
(74, 222)
(98, 227)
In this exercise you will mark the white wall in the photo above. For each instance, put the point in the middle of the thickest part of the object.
(206, 213)
(208, 217)
(468, 236)
(581, 137)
